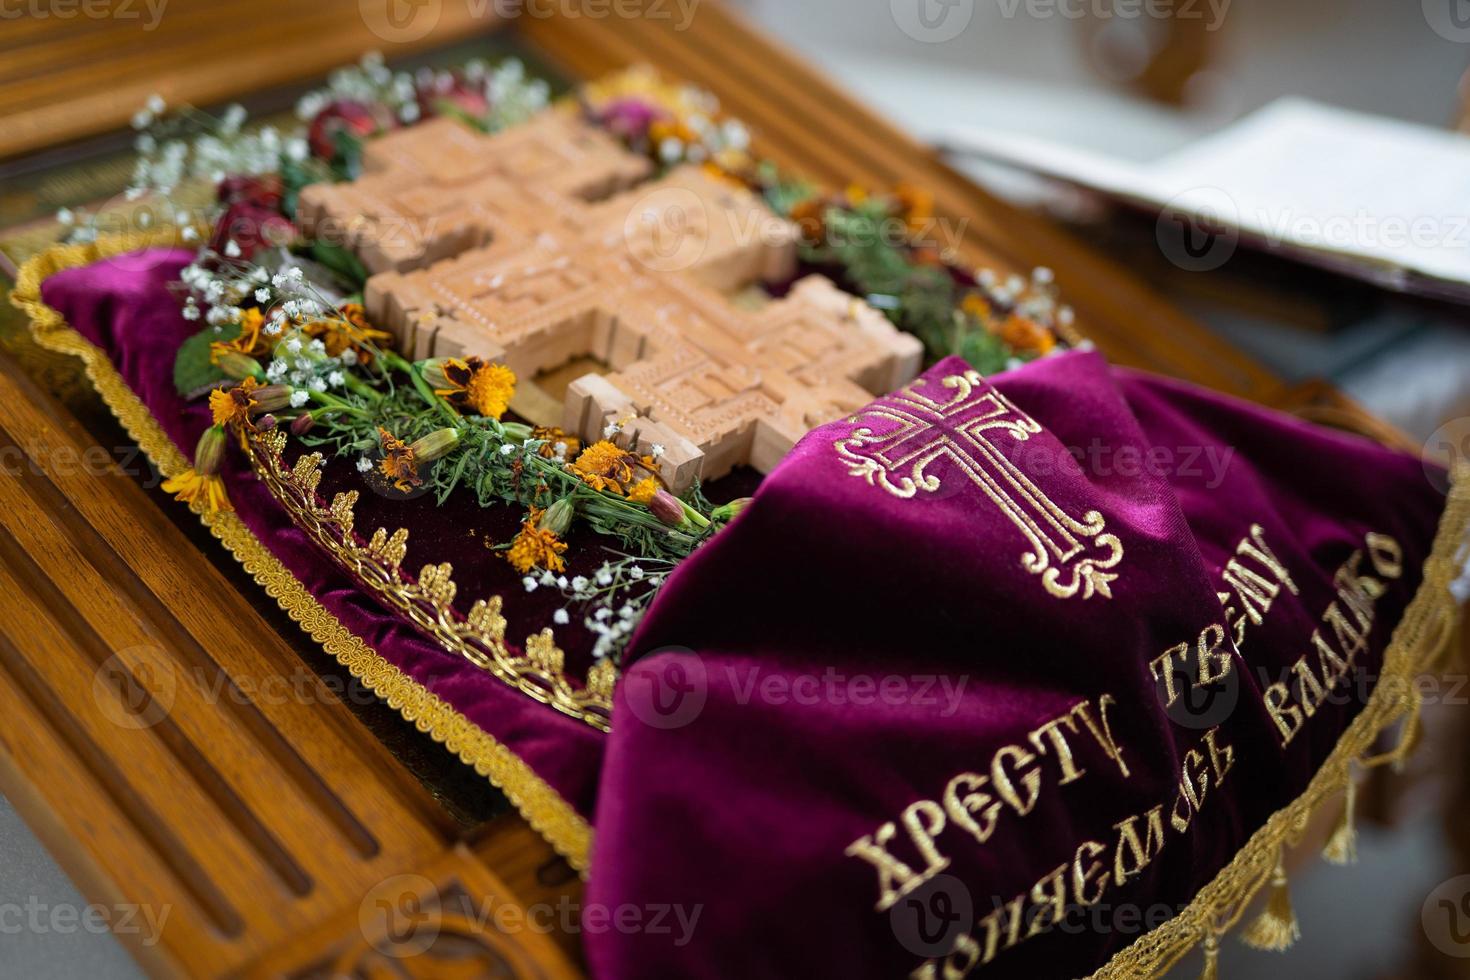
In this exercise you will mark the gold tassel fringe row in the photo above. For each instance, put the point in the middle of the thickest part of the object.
(542, 807)
(1342, 846)
(1416, 646)
(1276, 928)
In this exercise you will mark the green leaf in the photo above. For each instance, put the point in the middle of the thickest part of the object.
(193, 369)
(342, 262)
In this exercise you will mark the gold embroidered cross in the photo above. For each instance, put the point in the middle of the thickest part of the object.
(1070, 555)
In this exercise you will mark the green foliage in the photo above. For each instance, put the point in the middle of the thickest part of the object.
(342, 262)
(193, 369)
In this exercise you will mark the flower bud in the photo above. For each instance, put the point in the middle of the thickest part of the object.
(265, 423)
(209, 451)
(432, 371)
(302, 424)
(239, 366)
(558, 516)
(727, 512)
(438, 443)
(666, 507)
(271, 398)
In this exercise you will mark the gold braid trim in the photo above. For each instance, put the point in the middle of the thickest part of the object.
(543, 808)
(426, 601)
(1416, 646)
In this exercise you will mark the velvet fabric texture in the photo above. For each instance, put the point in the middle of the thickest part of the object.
(981, 653)
(862, 734)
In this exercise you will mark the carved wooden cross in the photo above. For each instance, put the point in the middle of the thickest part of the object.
(1072, 556)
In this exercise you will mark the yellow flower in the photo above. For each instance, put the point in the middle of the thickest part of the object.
(605, 466)
(191, 487)
(470, 383)
(643, 491)
(536, 547)
(233, 404)
(975, 306)
(249, 342)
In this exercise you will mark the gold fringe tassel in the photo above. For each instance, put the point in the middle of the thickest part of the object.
(1413, 730)
(1342, 845)
(1276, 927)
(1212, 958)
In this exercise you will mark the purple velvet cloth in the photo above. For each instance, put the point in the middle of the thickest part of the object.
(742, 771)
(868, 631)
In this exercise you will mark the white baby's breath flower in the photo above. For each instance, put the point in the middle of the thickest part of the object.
(231, 249)
(530, 583)
(364, 465)
(507, 450)
(560, 617)
(191, 312)
(262, 295)
(656, 450)
(336, 379)
(579, 584)
(636, 573)
(294, 345)
(155, 104)
(349, 357)
(547, 578)
(299, 398)
(611, 429)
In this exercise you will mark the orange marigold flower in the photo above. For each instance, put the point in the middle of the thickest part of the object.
(536, 547)
(471, 384)
(1023, 334)
(199, 490)
(398, 463)
(349, 330)
(976, 306)
(915, 206)
(606, 466)
(556, 442)
(233, 404)
(250, 341)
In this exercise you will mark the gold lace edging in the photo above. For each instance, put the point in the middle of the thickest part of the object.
(542, 807)
(427, 601)
(1416, 646)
